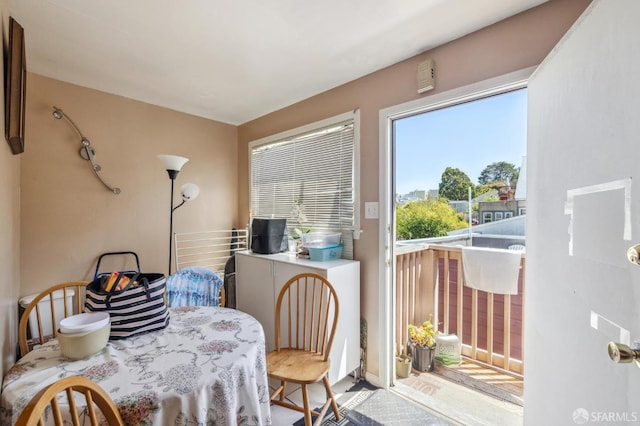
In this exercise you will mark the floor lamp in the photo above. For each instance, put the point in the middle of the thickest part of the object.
(189, 191)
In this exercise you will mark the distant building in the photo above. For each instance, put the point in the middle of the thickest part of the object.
(462, 206)
(492, 206)
(507, 206)
(416, 195)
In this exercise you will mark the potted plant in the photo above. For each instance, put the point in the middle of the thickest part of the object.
(422, 345)
(403, 365)
(298, 217)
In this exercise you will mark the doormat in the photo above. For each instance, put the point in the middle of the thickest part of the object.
(351, 394)
(382, 407)
(367, 405)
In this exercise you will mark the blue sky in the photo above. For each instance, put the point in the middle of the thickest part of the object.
(468, 137)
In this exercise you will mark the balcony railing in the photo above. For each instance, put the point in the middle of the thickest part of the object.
(429, 280)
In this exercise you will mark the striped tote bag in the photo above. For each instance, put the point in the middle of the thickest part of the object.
(139, 307)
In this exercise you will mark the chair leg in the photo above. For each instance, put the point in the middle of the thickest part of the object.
(307, 408)
(283, 385)
(276, 393)
(334, 406)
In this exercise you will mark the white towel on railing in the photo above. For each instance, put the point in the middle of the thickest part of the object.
(491, 270)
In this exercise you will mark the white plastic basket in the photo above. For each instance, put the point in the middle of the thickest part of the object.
(320, 239)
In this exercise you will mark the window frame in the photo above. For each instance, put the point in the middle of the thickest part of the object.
(309, 128)
(386, 227)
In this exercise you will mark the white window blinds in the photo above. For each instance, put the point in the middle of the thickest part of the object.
(308, 178)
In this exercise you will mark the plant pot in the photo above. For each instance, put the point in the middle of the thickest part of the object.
(403, 365)
(292, 244)
(422, 356)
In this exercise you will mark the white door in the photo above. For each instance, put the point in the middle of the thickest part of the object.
(583, 214)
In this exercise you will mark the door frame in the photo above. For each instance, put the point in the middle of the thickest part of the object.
(493, 86)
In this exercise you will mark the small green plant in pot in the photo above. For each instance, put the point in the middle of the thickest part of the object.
(403, 365)
(298, 217)
(422, 344)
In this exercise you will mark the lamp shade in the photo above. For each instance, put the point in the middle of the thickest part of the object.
(189, 191)
(172, 162)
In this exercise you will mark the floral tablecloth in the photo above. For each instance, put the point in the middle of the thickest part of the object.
(207, 367)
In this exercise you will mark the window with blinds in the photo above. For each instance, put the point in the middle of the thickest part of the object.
(308, 176)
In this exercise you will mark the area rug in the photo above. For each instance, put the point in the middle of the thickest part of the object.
(366, 405)
(351, 394)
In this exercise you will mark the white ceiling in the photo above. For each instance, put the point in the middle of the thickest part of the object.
(236, 60)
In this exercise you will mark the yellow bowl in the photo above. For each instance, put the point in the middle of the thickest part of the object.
(83, 345)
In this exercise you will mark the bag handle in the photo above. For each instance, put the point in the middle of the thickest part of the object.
(134, 254)
(114, 289)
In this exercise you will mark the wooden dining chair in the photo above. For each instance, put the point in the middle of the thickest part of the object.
(56, 312)
(307, 312)
(33, 413)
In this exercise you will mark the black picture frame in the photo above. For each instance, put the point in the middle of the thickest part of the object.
(15, 88)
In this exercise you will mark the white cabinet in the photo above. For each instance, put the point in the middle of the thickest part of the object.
(259, 278)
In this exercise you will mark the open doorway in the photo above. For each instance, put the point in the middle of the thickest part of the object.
(454, 163)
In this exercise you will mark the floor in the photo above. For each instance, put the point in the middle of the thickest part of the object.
(281, 416)
(439, 392)
(469, 394)
(499, 384)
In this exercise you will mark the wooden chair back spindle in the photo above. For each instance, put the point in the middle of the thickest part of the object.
(94, 395)
(79, 288)
(309, 305)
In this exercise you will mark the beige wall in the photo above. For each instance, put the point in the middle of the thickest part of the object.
(9, 231)
(516, 43)
(68, 217)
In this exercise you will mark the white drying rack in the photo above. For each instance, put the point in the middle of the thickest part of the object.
(208, 249)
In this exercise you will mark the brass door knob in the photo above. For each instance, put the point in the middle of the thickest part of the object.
(619, 352)
(633, 254)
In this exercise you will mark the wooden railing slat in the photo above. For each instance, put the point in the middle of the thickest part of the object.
(490, 327)
(507, 331)
(474, 323)
(447, 303)
(459, 320)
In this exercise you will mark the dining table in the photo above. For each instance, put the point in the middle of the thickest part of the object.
(207, 367)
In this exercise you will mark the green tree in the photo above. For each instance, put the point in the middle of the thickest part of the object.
(426, 219)
(487, 187)
(500, 171)
(455, 185)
